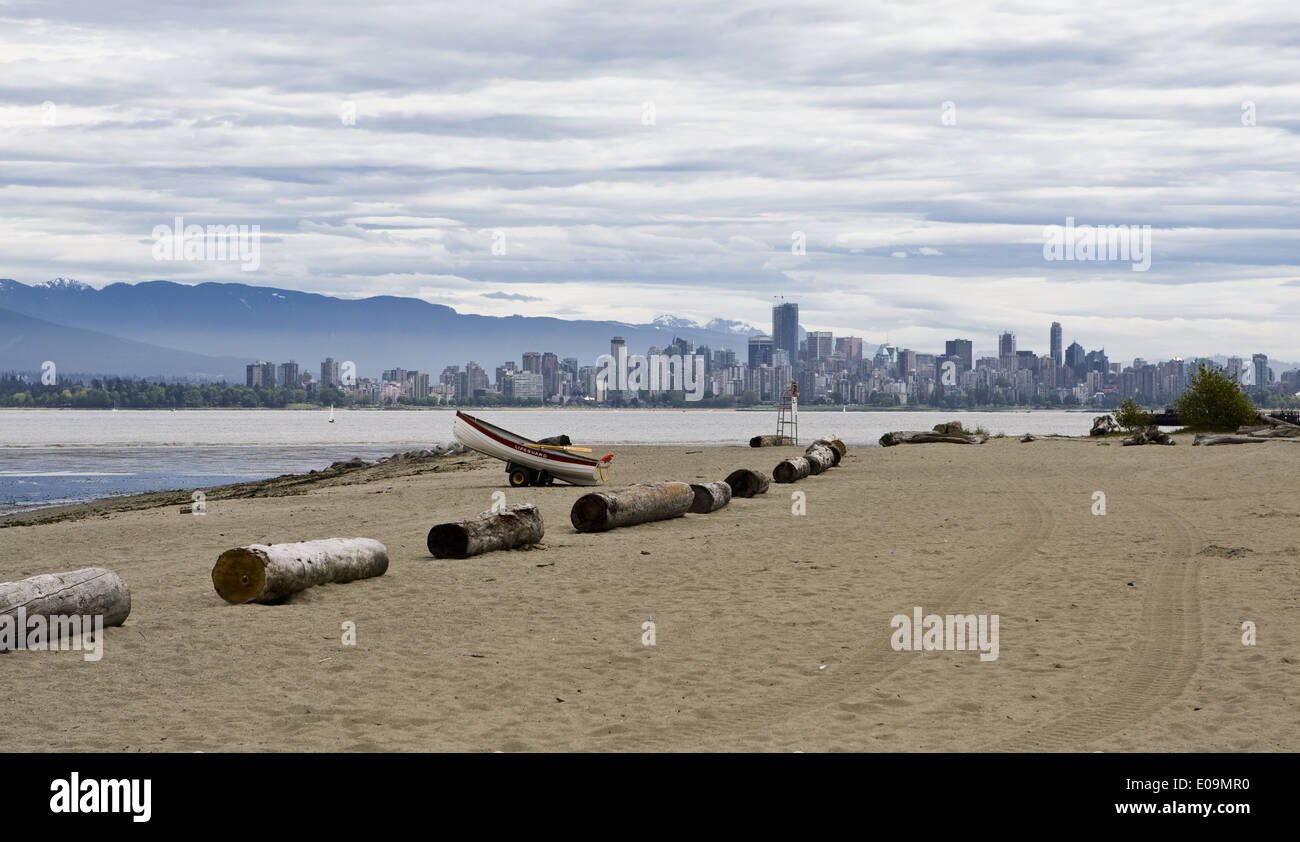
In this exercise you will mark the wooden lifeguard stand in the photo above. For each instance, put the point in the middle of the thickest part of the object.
(787, 413)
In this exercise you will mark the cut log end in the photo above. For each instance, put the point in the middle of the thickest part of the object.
(747, 483)
(239, 575)
(589, 513)
(448, 540)
(709, 497)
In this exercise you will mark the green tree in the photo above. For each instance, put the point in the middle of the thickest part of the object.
(1213, 402)
(1131, 417)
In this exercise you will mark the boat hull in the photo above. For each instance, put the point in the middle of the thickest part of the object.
(498, 443)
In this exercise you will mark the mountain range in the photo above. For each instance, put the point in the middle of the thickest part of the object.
(212, 330)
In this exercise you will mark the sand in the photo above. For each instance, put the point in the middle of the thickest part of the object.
(1117, 632)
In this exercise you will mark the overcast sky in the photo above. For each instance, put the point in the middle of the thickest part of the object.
(664, 158)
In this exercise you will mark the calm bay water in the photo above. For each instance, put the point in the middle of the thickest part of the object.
(53, 456)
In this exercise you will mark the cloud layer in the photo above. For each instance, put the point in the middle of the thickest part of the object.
(891, 167)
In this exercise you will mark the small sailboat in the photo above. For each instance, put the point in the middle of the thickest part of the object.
(331, 413)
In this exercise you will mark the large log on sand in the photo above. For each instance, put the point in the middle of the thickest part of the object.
(770, 441)
(747, 483)
(87, 592)
(710, 496)
(267, 572)
(821, 457)
(517, 526)
(1204, 440)
(640, 503)
(905, 437)
(792, 469)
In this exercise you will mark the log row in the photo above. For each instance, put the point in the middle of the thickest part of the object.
(819, 457)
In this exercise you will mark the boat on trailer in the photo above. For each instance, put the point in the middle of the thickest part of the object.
(529, 462)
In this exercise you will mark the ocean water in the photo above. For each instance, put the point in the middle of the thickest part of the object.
(57, 456)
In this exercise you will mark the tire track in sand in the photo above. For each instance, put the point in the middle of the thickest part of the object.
(1158, 667)
(864, 669)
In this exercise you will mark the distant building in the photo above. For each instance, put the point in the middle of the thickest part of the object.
(260, 373)
(760, 350)
(523, 385)
(550, 375)
(785, 329)
(850, 347)
(1056, 343)
(1007, 344)
(532, 362)
(1263, 375)
(289, 375)
(961, 349)
(820, 344)
(329, 373)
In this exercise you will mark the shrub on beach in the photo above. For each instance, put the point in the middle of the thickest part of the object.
(1213, 401)
(1131, 417)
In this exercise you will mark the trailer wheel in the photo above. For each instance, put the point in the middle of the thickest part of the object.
(518, 478)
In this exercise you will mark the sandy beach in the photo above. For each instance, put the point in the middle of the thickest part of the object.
(1118, 632)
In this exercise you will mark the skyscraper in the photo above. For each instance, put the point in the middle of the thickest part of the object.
(329, 373)
(550, 375)
(1007, 344)
(760, 350)
(785, 330)
(289, 376)
(820, 344)
(962, 349)
(1260, 362)
(533, 362)
(1056, 343)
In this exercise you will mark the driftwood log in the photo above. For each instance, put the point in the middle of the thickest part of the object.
(792, 470)
(950, 428)
(710, 496)
(833, 445)
(517, 526)
(924, 437)
(1206, 439)
(89, 592)
(640, 503)
(821, 458)
(747, 483)
(1151, 435)
(267, 572)
(770, 441)
(1103, 424)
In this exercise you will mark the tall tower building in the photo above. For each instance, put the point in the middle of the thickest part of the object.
(760, 350)
(1260, 363)
(1056, 343)
(329, 373)
(532, 362)
(785, 329)
(820, 344)
(1007, 344)
(962, 349)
